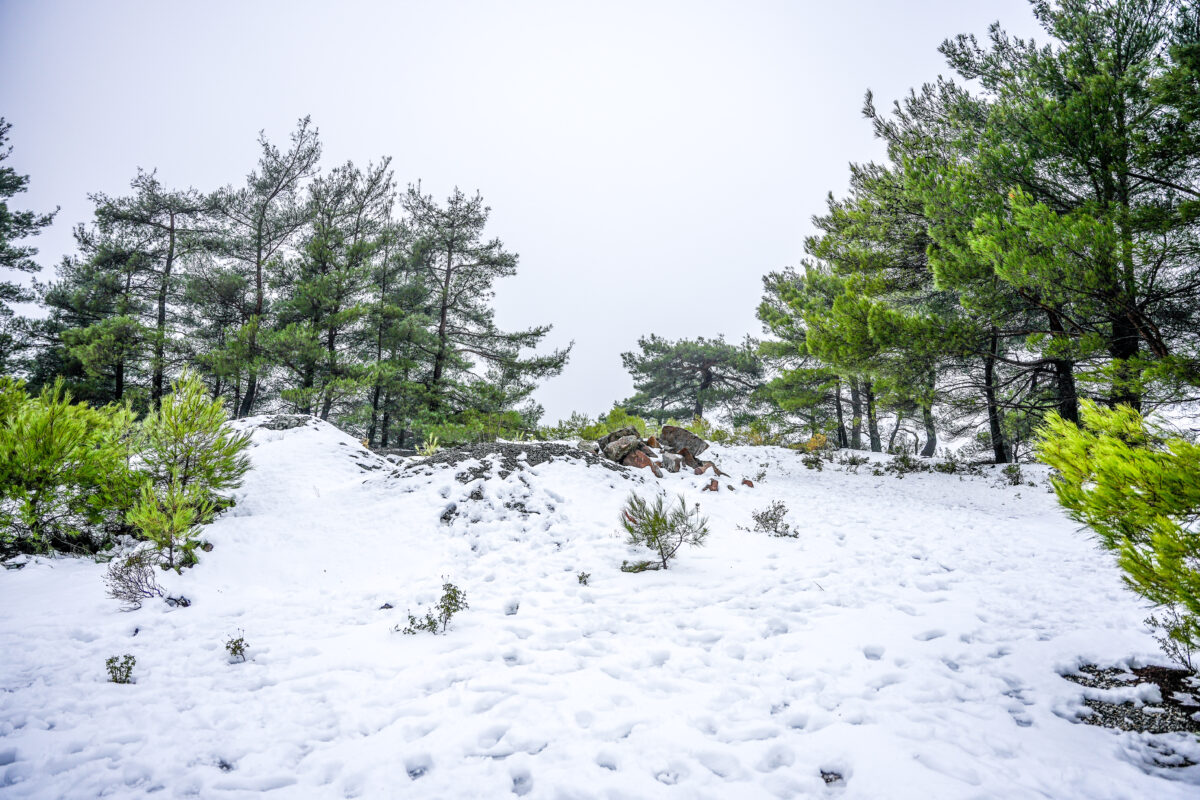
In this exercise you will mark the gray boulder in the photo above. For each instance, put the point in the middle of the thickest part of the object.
(620, 433)
(617, 449)
(674, 439)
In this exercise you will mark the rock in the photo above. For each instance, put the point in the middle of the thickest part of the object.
(619, 433)
(653, 442)
(716, 470)
(671, 462)
(385, 606)
(713, 486)
(617, 449)
(729, 486)
(747, 482)
(588, 447)
(640, 460)
(675, 439)
(689, 460)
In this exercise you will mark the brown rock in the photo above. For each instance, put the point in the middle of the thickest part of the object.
(617, 449)
(640, 460)
(713, 486)
(689, 460)
(747, 482)
(675, 439)
(653, 442)
(701, 469)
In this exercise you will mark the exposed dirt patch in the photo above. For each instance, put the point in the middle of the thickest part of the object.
(1179, 711)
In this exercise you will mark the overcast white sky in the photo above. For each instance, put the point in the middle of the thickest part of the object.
(649, 161)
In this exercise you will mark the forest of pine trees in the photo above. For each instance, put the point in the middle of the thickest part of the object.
(317, 291)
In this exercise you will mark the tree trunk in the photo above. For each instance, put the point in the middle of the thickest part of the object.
(439, 361)
(995, 428)
(843, 441)
(895, 430)
(1068, 401)
(706, 381)
(872, 418)
(930, 431)
(160, 328)
(855, 415)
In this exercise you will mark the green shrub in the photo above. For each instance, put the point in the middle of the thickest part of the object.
(773, 520)
(120, 671)
(813, 460)
(1013, 475)
(583, 578)
(187, 443)
(662, 528)
(437, 618)
(616, 419)
(1138, 488)
(236, 646)
(905, 463)
(65, 481)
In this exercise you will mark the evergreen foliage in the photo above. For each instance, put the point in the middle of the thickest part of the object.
(663, 528)
(685, 378)
(1138, 488)
(65, 478)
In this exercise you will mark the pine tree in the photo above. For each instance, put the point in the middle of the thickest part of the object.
(262, 220)
(15, 257)
(687, 377)
(460, 268)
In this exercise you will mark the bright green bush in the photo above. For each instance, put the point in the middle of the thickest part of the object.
(190, 460)
(614, 420)
(186, 444)
(1138, 488)
(65, 480)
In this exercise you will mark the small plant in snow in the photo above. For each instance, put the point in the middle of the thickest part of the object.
(437, 619)
(762, 472)
(583, 578)
(1013, 475)
(1177, 635)
(662, 528)
(120, 670)
(236, 646)
(904, 463)
(812, 460)
(131, 580)
(430, 447)
(851, 461)
(772, 520)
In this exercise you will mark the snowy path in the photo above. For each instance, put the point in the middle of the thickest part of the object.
(910, 639)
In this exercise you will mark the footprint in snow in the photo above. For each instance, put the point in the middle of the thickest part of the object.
(873, 652)
(926, 636)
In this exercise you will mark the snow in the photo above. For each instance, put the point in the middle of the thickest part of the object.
(912, 640)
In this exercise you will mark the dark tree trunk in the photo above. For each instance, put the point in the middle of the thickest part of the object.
(855, 415)
(872, 418)
(930, 431)
(843, 440)
(706, 381)
(1123, 349)
(895, 430)
(160, 328)
(995, 428)
(1068, 401)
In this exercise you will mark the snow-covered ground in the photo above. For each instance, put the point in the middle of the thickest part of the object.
(912, 640)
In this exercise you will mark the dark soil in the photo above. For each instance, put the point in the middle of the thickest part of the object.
(1178, 712)
(505, 458)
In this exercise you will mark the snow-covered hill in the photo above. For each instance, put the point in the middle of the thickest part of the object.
(910, 640)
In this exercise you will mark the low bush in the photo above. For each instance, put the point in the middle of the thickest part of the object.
(131, 580)
(773, 520)
(120, 670)
(236, 646)
(584, 578)
(904, 463)
(437, 619)
(812, 460)
(851, 461)
(662, 528)
(1013, 475)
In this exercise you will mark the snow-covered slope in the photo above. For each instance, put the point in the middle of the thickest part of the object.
(910, 640)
